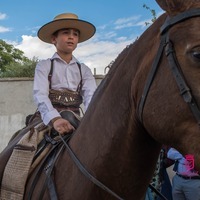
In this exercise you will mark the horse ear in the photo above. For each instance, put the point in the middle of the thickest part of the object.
(162, 4)
(172, 7)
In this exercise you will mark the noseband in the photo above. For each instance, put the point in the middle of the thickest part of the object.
(166, 44)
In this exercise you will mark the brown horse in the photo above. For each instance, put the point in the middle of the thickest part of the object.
(132, 115)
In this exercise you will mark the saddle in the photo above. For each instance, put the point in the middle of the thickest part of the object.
(72, 117)
(40, 145)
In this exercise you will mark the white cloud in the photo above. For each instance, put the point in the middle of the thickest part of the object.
(94, 53)
(133, 21)
(2, 16)
(110, 35)
(102, 27)
(4, 29)
(97, 52)
(126, 22)
(100, 54)
(33, 47)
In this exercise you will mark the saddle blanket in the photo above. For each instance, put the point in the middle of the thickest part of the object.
(20, 163)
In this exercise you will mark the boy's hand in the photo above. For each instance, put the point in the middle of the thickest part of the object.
(63, 126)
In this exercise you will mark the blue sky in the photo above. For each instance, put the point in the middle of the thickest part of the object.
(118, 23)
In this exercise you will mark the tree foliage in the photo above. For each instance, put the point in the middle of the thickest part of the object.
(153, 13)
(13, 63)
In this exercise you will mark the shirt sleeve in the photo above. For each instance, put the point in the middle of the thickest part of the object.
(89, 86)
(41, 92)
(174, 154)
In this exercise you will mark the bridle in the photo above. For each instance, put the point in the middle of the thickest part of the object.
(166, 44)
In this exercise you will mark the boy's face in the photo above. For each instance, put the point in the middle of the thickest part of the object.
(66, 40)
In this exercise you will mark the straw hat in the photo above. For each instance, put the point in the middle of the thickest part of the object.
(66, 20)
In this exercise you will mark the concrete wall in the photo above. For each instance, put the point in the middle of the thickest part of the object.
(16, 102)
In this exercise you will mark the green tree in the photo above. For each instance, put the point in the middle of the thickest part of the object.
(25, 69)
(13, 63)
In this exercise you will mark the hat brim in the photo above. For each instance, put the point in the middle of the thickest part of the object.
(87, 30)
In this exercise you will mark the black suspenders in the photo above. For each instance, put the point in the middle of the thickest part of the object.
(50, 74)
(80, 85)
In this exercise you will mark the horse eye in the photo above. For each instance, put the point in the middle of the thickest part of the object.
(196, 54)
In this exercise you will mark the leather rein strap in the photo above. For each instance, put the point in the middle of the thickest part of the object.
(94, 180)
(86, 173)
(173, 64)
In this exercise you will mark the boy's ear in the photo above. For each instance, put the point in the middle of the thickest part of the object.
(53, 39)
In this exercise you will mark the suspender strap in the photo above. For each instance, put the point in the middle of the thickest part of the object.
(80, 85)
(50, 74)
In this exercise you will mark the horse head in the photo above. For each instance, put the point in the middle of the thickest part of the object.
(171, 112)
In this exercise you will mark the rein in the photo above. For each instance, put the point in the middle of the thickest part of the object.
(50, 160)
(173, 64)
(86, 173)
(94, 180)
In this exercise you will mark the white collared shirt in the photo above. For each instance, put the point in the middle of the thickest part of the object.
(64, 76)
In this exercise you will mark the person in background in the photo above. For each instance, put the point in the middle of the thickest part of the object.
(166, 187)
(160, 180)
(186, 181)
(62, 82)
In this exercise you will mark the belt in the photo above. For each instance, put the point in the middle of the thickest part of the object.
(188, 177)
(62, 107)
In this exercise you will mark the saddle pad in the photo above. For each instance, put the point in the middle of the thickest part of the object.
(18, 166)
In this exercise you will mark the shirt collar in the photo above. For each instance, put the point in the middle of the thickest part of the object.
(56, 56)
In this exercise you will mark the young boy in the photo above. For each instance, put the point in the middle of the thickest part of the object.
(61, 82)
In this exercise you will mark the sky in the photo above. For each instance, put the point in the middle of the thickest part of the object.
(118, 23)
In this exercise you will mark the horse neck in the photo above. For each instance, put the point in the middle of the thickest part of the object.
(111, 117)
(110, 127)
